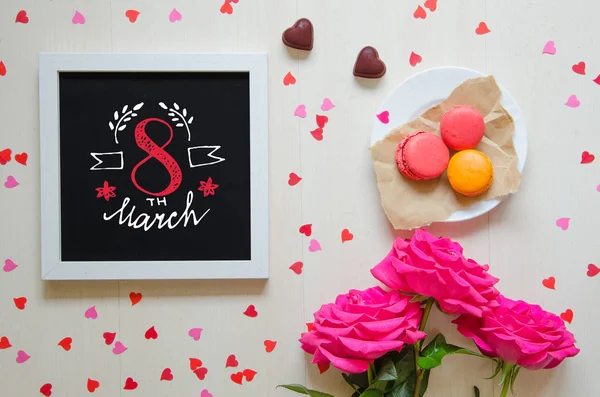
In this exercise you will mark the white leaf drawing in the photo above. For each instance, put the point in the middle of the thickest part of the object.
(175, 105)
(171, 114)
(175, 118)
(116, 115)
(127, 119)
(138, 106)
(190, 120)
(111, 125)
(184, 112)
(124, 109)
(121, 128)
(162, 105)
(179, 125)
(133, 114)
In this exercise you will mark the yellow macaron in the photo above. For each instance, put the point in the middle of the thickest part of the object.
(470, 172)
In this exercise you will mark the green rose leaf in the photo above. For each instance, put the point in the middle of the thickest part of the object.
(407, 389)
(437, 349)
(372, 393)
(361, 380)
(303, 390)
(387, 372)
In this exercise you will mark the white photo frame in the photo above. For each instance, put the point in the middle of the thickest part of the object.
(52, 265)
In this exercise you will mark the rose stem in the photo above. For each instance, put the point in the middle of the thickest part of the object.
(506, 378)
(417, 346)
(371, 373)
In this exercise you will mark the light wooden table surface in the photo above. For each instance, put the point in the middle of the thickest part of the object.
(519, 239)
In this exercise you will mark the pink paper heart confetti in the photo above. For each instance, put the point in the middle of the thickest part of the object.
(384, 117)
(22, 357)
(549, 48)
(573, 102)
(119, 348)
(314, 246)
(9, 266)
(205, 393)
(563, 223)
(195, 333)
(11, 182)
(327, 105)
(175, 16)
(300, 111)
(91, 313)
(78, 18)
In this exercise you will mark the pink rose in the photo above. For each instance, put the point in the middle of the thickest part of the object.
(435, 267)
(362, 326)
(521, 334)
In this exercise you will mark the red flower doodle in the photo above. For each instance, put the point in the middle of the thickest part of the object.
(208, 187)
(106, 191)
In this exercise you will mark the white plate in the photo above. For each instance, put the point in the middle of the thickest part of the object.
(430, 87)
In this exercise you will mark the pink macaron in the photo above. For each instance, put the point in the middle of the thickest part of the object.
(462, 127)
(422, 156)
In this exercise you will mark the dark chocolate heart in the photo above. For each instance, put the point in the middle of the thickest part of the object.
(299, 36)
(368, 64)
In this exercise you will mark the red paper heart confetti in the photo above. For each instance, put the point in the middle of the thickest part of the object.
(20, 302)
(567, 316)
(579, 68)
(195, 363)
(5, 156)
(46, 390)
(226, 8)
(297, 267)
(237, 378)
(549, 282)
(21, 158)
(109, 337)
(420, 13)
(587, 158)
(132, 15)
(596, 80)
(135, 297)
(249, 374)
(270, 345)
(310, 327)
(322, 120)
(4, 343)
(22, 17)
(317, 134)
(231, 361)
(3, 69)
(293, 179)
(130, 384)
(166, 375)
(151, 333)
(201, 373)
(323, 367)
(306, 229)
(414, 59)
(251, 311)
(593, 270)
(346, 235)
(289, 79)
(482, 28)
(66, 343)
(92, 385)
(431, 5)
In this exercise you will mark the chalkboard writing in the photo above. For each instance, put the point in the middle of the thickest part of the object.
(154, 166)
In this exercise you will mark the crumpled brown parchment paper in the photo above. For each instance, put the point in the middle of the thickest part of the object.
(411, 204)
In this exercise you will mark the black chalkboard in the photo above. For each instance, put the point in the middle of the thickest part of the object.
(154, 166)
